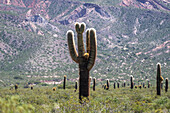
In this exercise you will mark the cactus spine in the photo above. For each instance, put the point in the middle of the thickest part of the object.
(86, 59)
(131, 82)
(158, 79)
(94, 84)
(64, 83)
(166, 85)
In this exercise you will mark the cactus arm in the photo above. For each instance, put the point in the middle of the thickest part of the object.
(93, 49)
(80, 30)
(88, 41)
(71, 45)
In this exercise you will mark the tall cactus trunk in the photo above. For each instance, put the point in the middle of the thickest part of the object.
(166, 85)
(158, 80)
(84, 83)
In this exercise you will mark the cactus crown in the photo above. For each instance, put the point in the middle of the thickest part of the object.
(91, 45)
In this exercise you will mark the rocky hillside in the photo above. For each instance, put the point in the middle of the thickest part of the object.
(148, 4)
(130, 40)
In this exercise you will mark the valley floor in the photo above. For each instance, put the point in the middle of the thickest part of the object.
(45, 100)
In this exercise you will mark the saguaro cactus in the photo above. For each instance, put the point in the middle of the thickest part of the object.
(166, 85)
(94, 84)
(86, 59)
(64, 83)
(159, 79)
(131, 82)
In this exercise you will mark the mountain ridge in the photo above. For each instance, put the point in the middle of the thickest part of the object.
(130, 40)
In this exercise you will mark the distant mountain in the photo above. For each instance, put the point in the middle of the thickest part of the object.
(132, 37)
(148, 4)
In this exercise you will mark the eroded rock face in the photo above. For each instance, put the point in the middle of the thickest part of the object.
(146, 4)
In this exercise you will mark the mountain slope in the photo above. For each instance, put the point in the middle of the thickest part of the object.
(130, 41)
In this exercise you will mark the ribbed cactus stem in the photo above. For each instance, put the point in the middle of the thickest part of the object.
(158, 79)
(94, 84)
(131, 82)
(64, 83)
(108, 83)
(166, 85)
(85, 59)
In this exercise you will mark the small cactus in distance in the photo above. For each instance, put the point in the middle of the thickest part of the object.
(124, 84)
(76, 86)
(166, 85)
(148, 84)
(31, 87)
(118, 85)
(54, 88)
(64, 83)
(131, 82)
(114, 85)
(159, 79)
(85, 59)
(143, 85)
(94, 84)
(107, 87)
(16, 86)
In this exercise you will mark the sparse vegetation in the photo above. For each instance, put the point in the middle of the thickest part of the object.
(44, 99)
